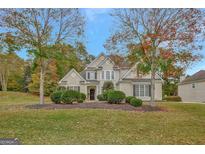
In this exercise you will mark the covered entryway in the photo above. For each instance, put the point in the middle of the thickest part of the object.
(92, 94)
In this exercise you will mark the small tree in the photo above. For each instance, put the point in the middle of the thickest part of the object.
(108, 85)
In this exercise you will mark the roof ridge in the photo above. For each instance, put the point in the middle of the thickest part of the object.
(200, 75)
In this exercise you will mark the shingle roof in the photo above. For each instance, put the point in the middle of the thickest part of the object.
(200, 75)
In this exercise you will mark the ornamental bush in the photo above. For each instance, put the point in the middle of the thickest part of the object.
(105, 94)
(115, 96)
(128, 99)
(136, 102)
(173, 98)
(56, 97)
(82, 96)
(100, 97)
(67, 96)
(80, 100)
(70, 96)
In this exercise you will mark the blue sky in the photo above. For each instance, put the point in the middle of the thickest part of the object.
(98, 29)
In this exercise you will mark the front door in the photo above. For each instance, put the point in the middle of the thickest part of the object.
(92, 94)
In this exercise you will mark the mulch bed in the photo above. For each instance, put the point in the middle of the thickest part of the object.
(97, 105)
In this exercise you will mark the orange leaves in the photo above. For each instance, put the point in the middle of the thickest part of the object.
(152, 36)
(166, 54)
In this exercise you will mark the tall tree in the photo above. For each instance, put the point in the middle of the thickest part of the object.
(38, 29)
(51, 79)
(9, 61)
(157, 31)
(26, 76)
(11, 69)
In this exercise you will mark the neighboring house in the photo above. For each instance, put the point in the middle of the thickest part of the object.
(192, 89)
(90, 81)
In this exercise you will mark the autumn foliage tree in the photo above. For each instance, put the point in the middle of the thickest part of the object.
(157, 35)
(38, 30)
(9, 61)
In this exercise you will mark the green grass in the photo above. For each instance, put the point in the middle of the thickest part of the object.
(8, 98)
(182, 124)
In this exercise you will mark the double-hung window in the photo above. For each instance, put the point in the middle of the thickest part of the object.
(142, 90)
(91, 75)
(63, 82)
(108, 75)
(75, 88)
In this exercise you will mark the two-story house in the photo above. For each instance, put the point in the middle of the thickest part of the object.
(90, 81)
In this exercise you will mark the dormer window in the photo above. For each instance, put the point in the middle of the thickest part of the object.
(91, 75)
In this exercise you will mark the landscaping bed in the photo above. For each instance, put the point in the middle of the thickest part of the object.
(97, 105)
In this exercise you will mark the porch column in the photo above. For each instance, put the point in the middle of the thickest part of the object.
(96, 92)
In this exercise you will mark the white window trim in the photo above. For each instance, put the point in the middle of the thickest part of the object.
(72, 87)
(144, 89)
(90, 75)
(110, 72)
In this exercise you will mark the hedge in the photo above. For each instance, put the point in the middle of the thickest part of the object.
(173, 98)
(115, 96)
(67, 96)
(104, 95)
(82, 96)
(100, 97)
(128, 98)
(136, 102)
(56, 97)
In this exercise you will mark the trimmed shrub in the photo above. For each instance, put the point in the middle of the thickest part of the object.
(128, 98)
(82, 96)
(136, 102)
(115, 96)
(70, 96)
(56, 97)
(80, 100)
(105, 94)
(173, 98)
(101, 97)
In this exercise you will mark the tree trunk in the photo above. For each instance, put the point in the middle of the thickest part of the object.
(153, 71)
(152, 101)
(3, 80)
(42, 75)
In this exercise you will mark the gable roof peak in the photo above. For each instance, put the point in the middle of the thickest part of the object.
(200, 75)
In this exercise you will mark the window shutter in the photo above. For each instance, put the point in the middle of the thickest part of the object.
(79, 88)
(103, 75)
(113, 75)
(134, 90)
(95, 75)
(149, 90)
(88, 75)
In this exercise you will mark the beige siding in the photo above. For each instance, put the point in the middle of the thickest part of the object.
(122, 72)
(127, 88)
(158, 91)
(189, 94)
(106, 66)
(96, 61)
(73, 79)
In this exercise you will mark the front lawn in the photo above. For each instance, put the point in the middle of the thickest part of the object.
(19, 98)
(180, 124)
